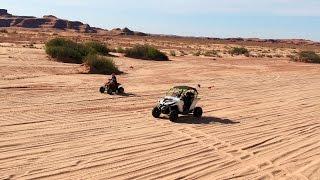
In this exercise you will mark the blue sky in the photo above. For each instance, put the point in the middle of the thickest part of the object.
(214, 18)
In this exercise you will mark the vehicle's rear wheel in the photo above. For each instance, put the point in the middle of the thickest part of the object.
(156, 112)
(121, 90)
(102, 89)
(173, 116)
(197, 112)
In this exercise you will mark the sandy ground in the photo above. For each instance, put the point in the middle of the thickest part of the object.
(261, 120)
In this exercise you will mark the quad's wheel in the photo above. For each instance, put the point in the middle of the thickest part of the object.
(173, 116)
(121, 90)
(156, 112)
(109, 91)
(102, 89)
(197, 112)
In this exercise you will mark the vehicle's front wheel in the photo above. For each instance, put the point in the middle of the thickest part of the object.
(197, 112)
(102, 89)
(173, 116)
(156, 112)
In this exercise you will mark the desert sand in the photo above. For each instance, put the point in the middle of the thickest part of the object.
(261, 120)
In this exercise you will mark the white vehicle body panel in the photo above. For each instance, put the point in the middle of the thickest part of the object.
(169, 100)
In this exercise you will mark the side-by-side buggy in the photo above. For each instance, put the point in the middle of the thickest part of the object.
(178, 100)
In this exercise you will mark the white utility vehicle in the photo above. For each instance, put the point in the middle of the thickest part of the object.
(178, 100)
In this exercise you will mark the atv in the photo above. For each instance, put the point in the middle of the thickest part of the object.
(112, 88)
(178, 100)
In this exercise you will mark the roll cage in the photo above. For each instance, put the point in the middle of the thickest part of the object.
(180, 91)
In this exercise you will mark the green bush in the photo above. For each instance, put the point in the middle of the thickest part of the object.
(309, 57)
(120, 50)
(66, 50)
(61, 42)
(239, 51)
(197, 53)
(63, 54)
(212, 53)
(146, 52)
(101, 65)
(96, 48)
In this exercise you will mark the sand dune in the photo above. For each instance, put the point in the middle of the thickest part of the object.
(261, 120)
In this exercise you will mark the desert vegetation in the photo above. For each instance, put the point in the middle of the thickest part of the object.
(120, 50)
(97, 48)
(212, 53)
(196, 53)
(239, 51)
(67, 51)
(307, 56)
(90, 53)
(146, 52)
(101, 65)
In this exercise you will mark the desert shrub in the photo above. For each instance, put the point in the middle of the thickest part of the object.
(101, 65)
(172, 53)
(97, 48)
(212, 53)
(66, 50)
(67, 55)
(3, 31)
(308, 56)
(60, 42)
(291, 57)
(278, 56)
(239, 51)
(146, 52)
(120, 50)
(197, 53)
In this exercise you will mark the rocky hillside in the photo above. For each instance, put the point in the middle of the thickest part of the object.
(126, 31)
(9, 20)
(52, 22)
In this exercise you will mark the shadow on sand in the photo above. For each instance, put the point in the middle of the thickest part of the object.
(203, 120)
(128, 95)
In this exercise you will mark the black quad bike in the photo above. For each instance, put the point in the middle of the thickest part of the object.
(112, 88)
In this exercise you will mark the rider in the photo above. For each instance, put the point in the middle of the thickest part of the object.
(113, 81)
(187, 99)
(114, 78)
